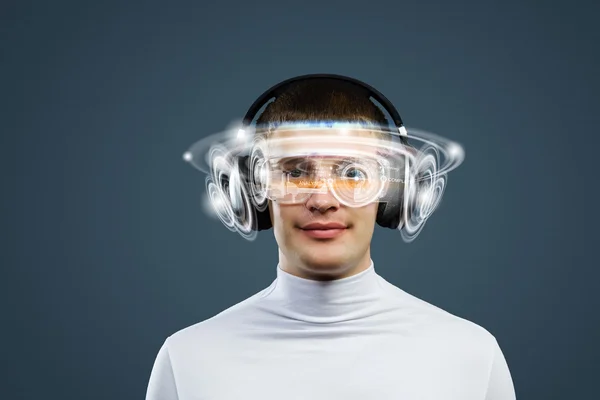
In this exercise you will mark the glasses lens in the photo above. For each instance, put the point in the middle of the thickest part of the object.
(352, 181)
(357, 183)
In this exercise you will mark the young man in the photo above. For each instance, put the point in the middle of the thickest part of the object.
(329, 327)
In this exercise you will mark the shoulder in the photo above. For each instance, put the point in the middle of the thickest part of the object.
(441, 325)
(216, 327)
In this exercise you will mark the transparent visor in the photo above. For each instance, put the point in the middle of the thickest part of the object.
(354, 178)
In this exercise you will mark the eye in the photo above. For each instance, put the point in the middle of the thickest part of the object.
(294, 173)
(354, 173)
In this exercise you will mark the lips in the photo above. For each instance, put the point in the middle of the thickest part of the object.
(318, 226)
(324, 230)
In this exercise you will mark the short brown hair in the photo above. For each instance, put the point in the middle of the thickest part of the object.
(318, 100)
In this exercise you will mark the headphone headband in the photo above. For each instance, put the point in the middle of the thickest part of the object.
(277, 89)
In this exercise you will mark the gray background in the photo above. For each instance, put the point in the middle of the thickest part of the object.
(106, 251)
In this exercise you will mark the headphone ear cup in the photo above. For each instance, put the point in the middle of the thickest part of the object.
(262, 218)
(389, 213)
(390, 209)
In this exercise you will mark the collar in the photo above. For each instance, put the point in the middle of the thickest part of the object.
(338, 300)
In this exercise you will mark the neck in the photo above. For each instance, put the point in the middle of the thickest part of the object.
(324, 271)
(344, 299)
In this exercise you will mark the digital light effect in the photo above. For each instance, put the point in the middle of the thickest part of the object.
(357, 165)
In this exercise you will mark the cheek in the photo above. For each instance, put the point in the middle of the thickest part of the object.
(366, 215)
(279, 216)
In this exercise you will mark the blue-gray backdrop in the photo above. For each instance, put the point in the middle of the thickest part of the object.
(106, 251)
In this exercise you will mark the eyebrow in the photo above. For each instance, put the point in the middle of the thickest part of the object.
(285, 162)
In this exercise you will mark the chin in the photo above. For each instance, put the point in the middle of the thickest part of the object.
(325, 269)
(322, 261)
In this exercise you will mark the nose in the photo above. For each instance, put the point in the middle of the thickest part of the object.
(322, 202)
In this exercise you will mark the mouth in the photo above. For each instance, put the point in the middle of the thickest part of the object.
(324, 231)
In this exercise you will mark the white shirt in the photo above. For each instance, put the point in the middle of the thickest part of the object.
(355, 338)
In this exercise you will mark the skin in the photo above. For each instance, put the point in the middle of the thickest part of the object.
(323, 259)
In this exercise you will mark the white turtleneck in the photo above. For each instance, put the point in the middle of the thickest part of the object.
(355, 338)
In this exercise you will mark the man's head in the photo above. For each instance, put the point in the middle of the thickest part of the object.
(321, 254)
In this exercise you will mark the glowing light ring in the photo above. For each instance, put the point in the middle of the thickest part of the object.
(424, 194)
(219, 186)
(451, 153)
(358, 147)
(243, 223)
(219, 202)
(259, 174)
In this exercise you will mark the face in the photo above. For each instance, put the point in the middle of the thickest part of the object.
(322, 254)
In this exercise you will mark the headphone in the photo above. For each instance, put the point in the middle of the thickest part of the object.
(394, 208)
